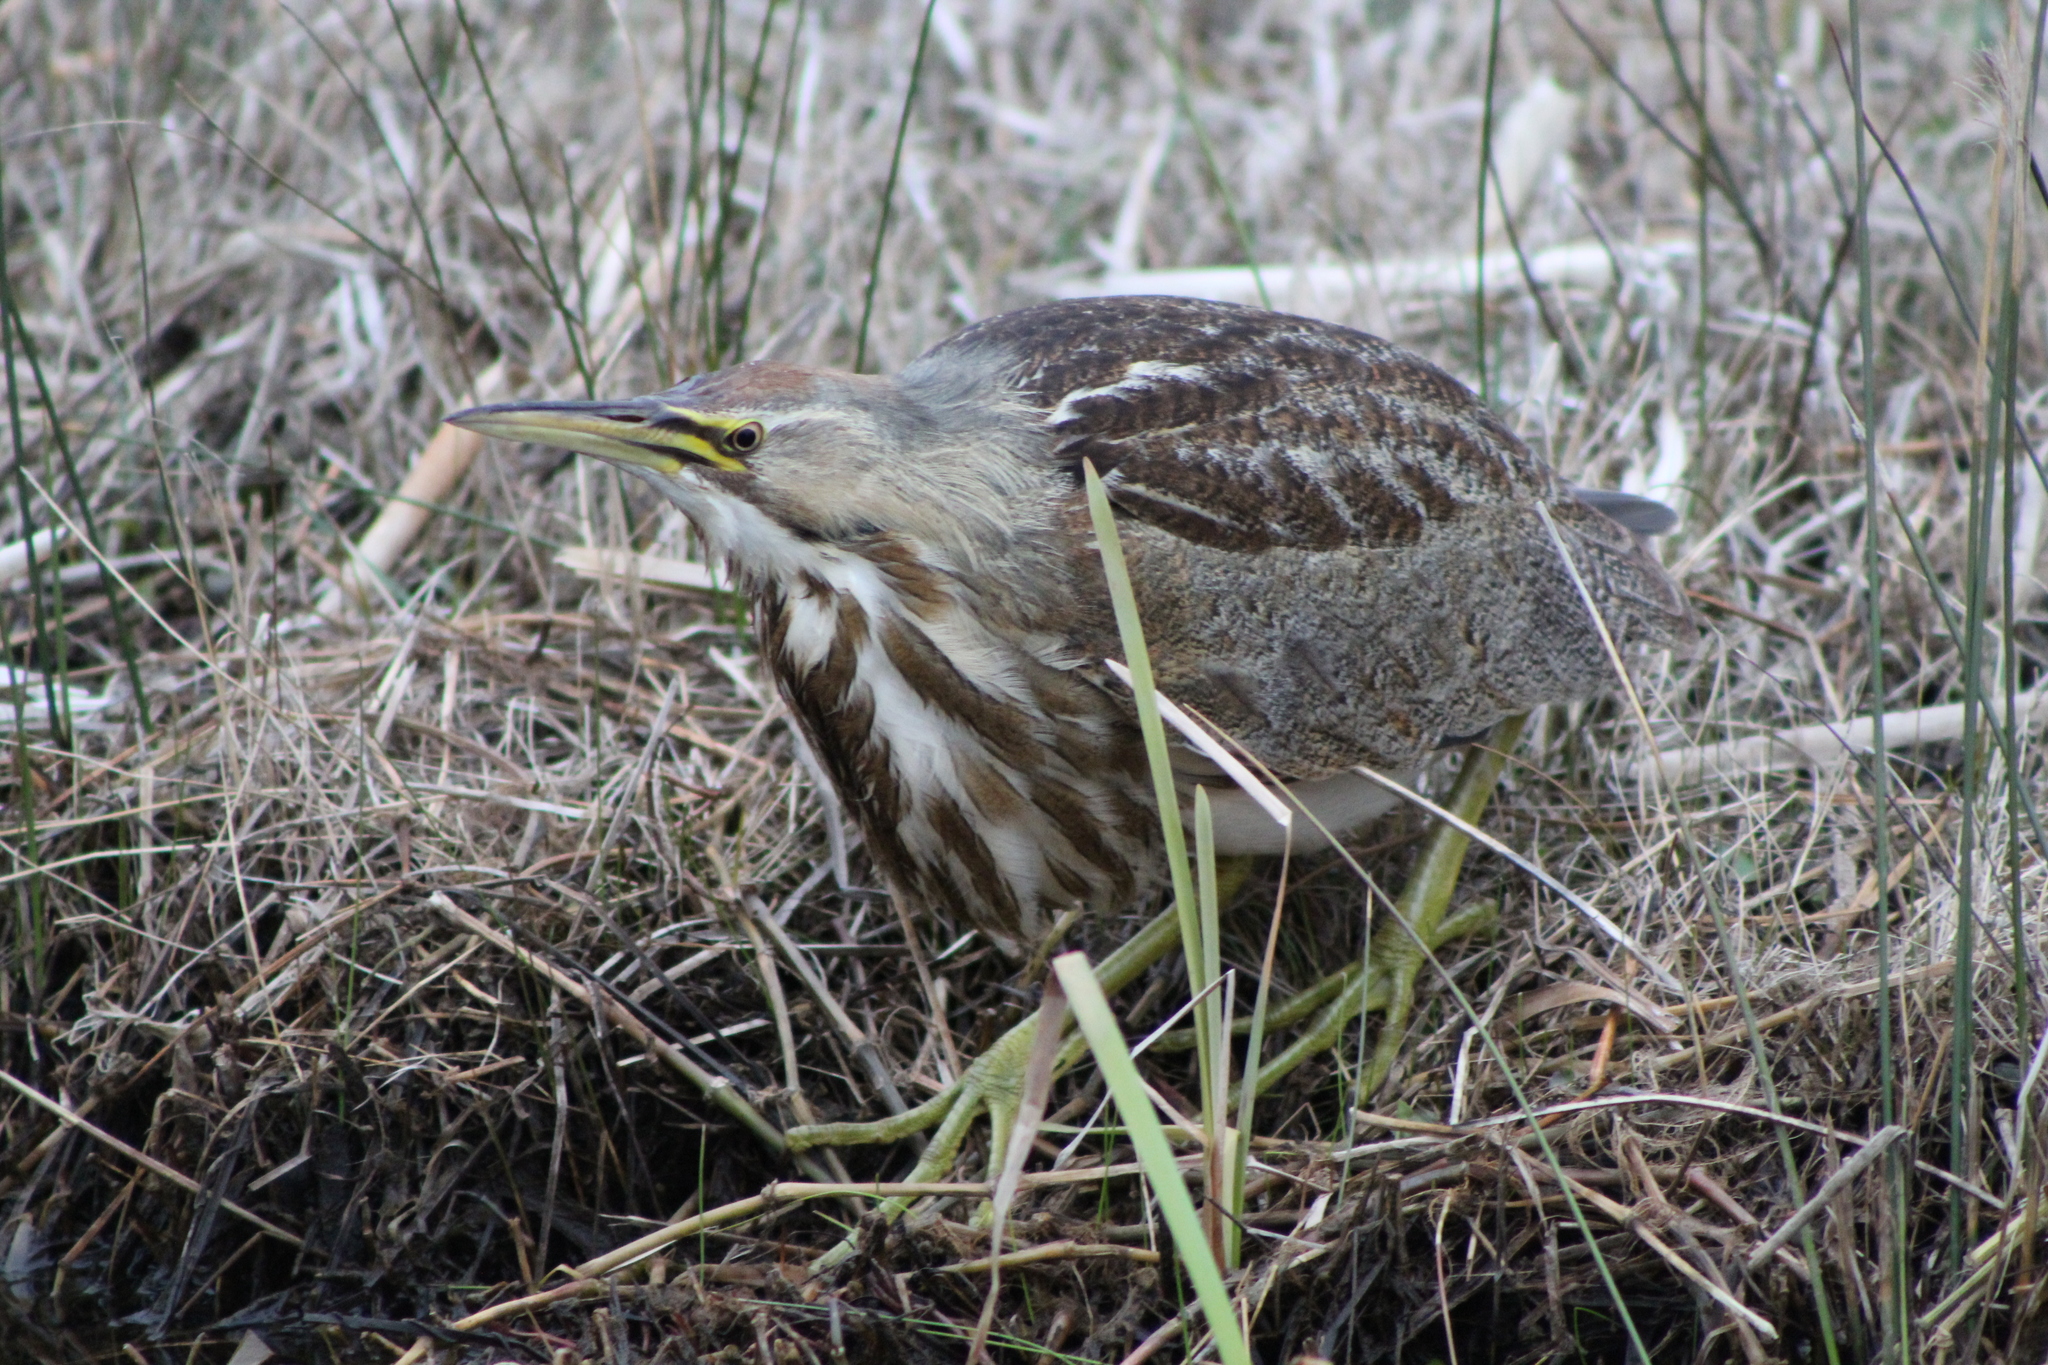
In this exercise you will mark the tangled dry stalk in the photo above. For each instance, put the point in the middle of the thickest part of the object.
(370, 956)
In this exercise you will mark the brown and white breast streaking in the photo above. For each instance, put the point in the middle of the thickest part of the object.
(1336, 549)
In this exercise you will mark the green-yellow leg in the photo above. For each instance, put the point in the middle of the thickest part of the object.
(1386, 981)
(993, 1082)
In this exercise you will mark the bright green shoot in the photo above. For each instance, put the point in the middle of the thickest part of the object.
(1153, 728)
(1216, 1134)
(1198, 908)
(1134, 1103)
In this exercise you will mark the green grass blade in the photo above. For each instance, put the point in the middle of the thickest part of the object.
(1479, 196)
(1186, 102)
(1216, 1078)
(1248, 1082)
(1139, 660)
(1897, 1267)
(761, 234)
(867, 305)
(1098, 1025)
(544, 272)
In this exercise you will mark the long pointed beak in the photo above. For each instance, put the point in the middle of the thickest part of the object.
(645, 433)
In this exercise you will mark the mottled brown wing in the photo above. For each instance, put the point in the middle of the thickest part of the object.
(1336, 547)
(1244, 429)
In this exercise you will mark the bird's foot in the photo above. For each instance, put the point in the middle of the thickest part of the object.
(993, 1084)
(1387, 984)
(1386, 980)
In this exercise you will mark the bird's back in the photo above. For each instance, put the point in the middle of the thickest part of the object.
(1338, 551)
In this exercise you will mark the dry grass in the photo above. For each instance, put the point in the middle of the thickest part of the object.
(307, 911)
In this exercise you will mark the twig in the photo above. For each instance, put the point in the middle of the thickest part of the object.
(1066, 1249)
(863, 1046)
(1625, 1217)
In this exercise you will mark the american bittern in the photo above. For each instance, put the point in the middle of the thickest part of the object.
(1337, 552)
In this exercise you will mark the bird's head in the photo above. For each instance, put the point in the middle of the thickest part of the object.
(821, 456)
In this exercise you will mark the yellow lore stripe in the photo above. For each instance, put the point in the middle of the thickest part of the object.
(699, 445)
(667, 444)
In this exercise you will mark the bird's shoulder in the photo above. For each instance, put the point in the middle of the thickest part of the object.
(1243, 429)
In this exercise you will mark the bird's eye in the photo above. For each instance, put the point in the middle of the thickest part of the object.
(743, 440)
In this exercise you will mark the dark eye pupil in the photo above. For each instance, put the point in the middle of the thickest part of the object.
(746, 438)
